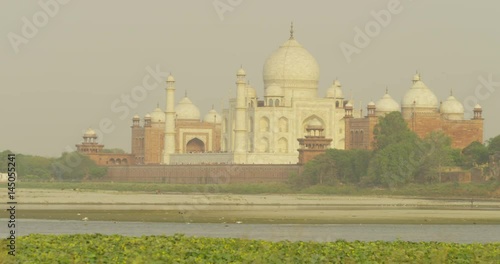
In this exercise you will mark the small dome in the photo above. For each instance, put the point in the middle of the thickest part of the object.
(185, 109)
(348, 105)
(420, 96)
(386, 105)
(477, 106)
(241, 72)
(147, 116)
(274, 90)
(90, 133)
(371, 103)
(136, 117)
(158, 115)
(314, 123)
(335, 91)
(170, 78)
(452, 108)
(251, 93)
(212, 116)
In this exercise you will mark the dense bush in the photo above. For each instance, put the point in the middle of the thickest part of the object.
(399, 157)
(96, 248)
(71, 166)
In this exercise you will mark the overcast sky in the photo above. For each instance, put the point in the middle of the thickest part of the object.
(65, 67)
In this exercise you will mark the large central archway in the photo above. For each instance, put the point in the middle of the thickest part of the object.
(195, 145)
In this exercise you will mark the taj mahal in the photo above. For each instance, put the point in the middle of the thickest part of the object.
(283, 125)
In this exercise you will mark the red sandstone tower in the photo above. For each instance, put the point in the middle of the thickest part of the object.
(314, 142)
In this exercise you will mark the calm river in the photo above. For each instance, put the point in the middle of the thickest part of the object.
(272, 232)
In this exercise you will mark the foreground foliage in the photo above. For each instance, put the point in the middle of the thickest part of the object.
(98, 248)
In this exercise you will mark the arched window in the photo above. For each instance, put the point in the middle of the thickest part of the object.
(277, 102)
(270, 102)
(264, 124)
(282, 145)
(305, 123)
(195, 145)
(283, 124)
(264, 145)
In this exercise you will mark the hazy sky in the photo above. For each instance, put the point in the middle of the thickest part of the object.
(65, 66)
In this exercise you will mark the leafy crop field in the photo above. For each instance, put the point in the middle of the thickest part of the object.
(96, 248)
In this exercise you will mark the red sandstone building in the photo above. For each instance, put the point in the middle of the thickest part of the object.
(423, 114)
(191, 134)
(94, 150)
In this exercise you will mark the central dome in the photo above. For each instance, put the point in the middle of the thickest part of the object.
(158, 115)
(419, 97)
(386, 105)
(292, 67)
(185, 109)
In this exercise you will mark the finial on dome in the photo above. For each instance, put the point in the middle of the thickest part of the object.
(170, 78)
(158, 104)
(386, 90)
(241, 72)
(416, 77)
(186, 93)
(291, 30)
(451, 91)
(212, 106)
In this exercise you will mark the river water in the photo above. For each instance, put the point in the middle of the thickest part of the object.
(271, 232)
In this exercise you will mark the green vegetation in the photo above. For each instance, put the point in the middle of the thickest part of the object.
(72, 166)
(399, 158)
(475, 154)
(97, 248)
(494, 144)
(76, 166)
(334, 167)
(30, 167)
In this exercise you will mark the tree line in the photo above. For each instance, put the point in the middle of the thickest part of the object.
(399, 157)
(70, 166)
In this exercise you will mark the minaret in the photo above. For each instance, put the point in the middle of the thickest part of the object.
(240, 131)
(169, 143)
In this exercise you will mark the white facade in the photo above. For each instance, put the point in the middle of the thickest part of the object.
(264, 130)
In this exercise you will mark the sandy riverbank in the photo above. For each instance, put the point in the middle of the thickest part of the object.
(230, 208)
